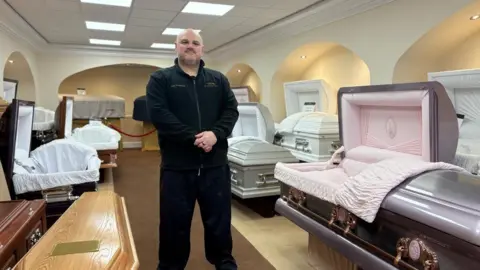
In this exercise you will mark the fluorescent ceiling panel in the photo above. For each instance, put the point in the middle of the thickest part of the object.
(207, 8)
(163, 45)
(175, 31)
(118, 3)
(105, 26)
(105, 42)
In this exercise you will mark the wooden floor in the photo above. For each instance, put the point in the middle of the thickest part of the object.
(280, 241)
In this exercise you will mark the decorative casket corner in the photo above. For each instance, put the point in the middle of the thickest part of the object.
(417, 251)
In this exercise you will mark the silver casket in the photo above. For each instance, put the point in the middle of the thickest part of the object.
(394, 201)
(252, 155)
(311, 125)
(463, 88)
(58, 171)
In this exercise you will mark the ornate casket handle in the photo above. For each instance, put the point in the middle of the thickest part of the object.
(233, 173)
(296, 196)
(266, 179)
(417, 251)
(345, 217)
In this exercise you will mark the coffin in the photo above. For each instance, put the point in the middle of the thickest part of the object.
(95, 134)
(311, 124)
(393, 201)
(58, 171)
(10, 89)
(244, 94)
(94, 233)
(252, 155)
(43, 127)
(463, 89)
(96, 106)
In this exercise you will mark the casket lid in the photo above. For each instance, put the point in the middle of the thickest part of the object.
(64, 117)
(254, 151)
(254, 120)
(244, 94)
(15, 136)
(318, 123)
(445, 200)
(316, 92)
(409, 118)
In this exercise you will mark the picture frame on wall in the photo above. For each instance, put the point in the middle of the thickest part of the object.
(10, 89)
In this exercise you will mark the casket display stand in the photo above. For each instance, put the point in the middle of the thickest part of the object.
(15, 140)
(427, 218)
(252, 157)
(463, 89)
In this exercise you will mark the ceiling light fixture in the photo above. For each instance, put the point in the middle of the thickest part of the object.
(163, 46)
(175, 31)
(303, 56)
(118, 3)
(238, 70)
(207, 8)
(475, 17)
(105, 26)
(10, 61)
(105, 42)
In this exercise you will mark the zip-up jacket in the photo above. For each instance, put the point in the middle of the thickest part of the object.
(180, 106)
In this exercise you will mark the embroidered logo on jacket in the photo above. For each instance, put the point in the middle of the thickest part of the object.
(177, 85)
(210, 84)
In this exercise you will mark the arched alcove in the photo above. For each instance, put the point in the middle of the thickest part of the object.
(335, 64)
(18, 77)
(451, 45)
(127, 81)
(244, 75)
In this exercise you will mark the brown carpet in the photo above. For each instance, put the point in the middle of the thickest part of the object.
(137, 179)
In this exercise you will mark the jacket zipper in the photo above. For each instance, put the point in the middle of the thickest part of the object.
(199, 120)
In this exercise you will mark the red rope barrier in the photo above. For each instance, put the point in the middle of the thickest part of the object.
(131, 135)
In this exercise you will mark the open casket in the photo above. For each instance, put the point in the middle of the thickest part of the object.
(311, 125)
(58, 171)
(149, 142)
(252, 154)
(394, 201)
(95, 134)
(44, 130)
(463, 88)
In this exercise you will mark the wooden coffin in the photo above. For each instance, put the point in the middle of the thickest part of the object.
(93, 233)
(22, 224)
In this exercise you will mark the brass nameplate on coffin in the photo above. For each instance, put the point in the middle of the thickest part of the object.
(76, 247)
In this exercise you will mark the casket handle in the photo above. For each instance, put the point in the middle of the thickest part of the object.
(262, 179)
(233, 173)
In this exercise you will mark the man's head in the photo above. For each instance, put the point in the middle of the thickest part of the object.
(189, 47)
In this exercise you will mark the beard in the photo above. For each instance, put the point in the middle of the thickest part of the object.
(189, 61)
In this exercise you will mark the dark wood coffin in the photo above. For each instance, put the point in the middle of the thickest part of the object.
(22, 224)
(58, 200)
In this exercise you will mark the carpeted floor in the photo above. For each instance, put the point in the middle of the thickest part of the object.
(137, 179)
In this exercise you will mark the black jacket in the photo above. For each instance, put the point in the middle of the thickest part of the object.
(181, 106)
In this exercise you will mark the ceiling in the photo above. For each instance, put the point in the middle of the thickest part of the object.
(64, 21)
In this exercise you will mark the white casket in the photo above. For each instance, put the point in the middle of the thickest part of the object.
(311, 125)
(43, 127)
(95, 134)
(53, 165)
(463, 89)
(244, 94)
(252, 155)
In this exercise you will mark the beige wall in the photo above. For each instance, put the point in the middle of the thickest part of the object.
(128, 82)
(465, 56)
(20, 70)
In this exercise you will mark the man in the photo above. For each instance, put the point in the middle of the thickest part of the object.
(194, 111)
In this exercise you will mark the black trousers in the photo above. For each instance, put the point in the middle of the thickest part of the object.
(178, 192)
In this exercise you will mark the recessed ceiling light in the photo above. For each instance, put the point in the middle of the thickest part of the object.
(238, 70)
(303, 56)
(163, 46)
(206, 8)
(475, 17)
(10, 61)
(105, 26)
(105, 42)
(175, 31)
(118, 3)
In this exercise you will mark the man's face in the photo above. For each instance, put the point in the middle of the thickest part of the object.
(189, 48)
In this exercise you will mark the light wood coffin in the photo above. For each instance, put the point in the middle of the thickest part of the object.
(95, 216)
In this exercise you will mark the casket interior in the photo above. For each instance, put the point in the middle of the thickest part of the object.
(463, 89)
(315, 93)
(401, 122)
(254, 120)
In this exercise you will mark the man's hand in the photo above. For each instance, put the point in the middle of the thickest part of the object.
(206, 140)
